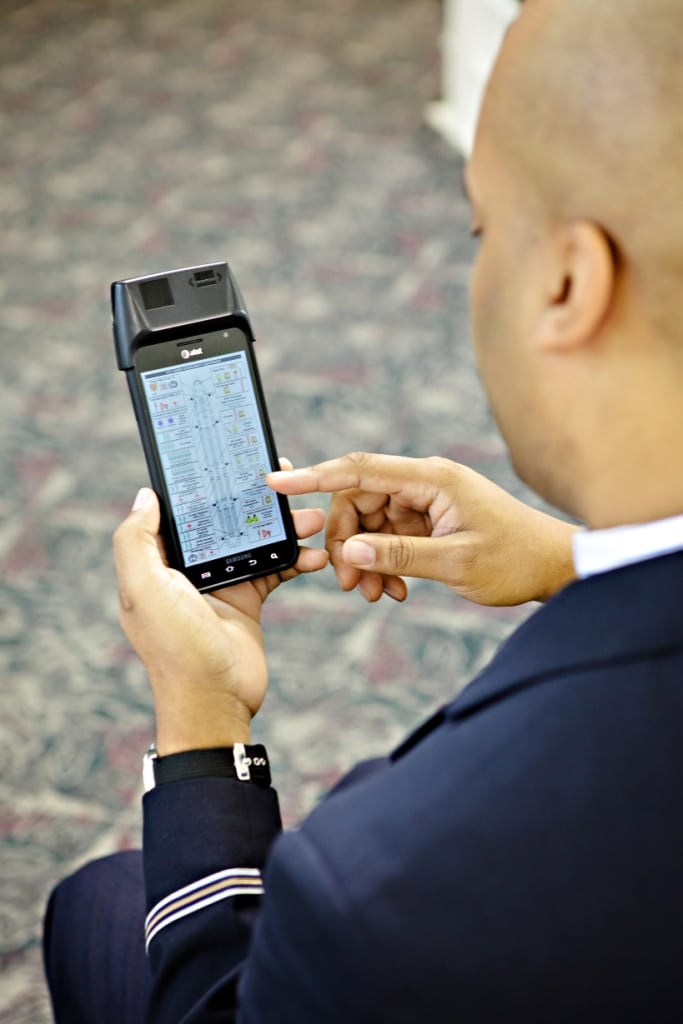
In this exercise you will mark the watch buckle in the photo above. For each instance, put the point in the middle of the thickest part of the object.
(242, 762)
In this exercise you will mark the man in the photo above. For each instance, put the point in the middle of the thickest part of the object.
(519, 856)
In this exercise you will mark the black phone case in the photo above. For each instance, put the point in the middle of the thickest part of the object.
(170, 306)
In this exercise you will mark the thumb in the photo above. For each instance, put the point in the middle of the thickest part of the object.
(390, 555)
(144, 499)
(137, 545)
(144, 518)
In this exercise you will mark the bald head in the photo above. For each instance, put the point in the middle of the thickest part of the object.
(586, 103)
(576, 180)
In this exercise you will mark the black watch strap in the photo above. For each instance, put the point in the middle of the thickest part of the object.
(247, 763)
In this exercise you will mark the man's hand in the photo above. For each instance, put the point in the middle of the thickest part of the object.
(392, 517)
(204, 655)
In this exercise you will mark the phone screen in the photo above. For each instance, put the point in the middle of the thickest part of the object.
(213, 452)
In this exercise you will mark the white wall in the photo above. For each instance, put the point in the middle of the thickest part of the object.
(472, 33)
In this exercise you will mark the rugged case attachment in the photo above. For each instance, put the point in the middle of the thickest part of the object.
(151, 309)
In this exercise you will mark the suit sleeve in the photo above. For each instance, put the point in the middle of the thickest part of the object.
(214, 954)
(205, 844)
(308, 962)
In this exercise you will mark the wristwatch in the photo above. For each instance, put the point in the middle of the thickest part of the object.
(246, 763)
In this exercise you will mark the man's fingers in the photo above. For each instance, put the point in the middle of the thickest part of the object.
(137, 551)
(372, 585)
(380, 474)
(311, 560)
(395, 587)
(389, 555)
(308, 521)
(139, 530)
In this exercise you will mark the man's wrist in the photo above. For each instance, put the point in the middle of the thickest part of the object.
(558, 568)
(181, 728)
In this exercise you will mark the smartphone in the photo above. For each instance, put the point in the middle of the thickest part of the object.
(184, 340)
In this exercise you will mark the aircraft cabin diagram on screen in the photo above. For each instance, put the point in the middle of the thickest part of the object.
(214, 456)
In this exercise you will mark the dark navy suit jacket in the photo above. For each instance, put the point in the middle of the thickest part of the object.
(519, 858)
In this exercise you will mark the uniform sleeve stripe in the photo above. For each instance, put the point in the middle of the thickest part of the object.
(202, 893)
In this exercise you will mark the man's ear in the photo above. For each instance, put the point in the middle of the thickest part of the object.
(581, 282)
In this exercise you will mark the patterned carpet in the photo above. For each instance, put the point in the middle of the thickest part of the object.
(286, 136)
